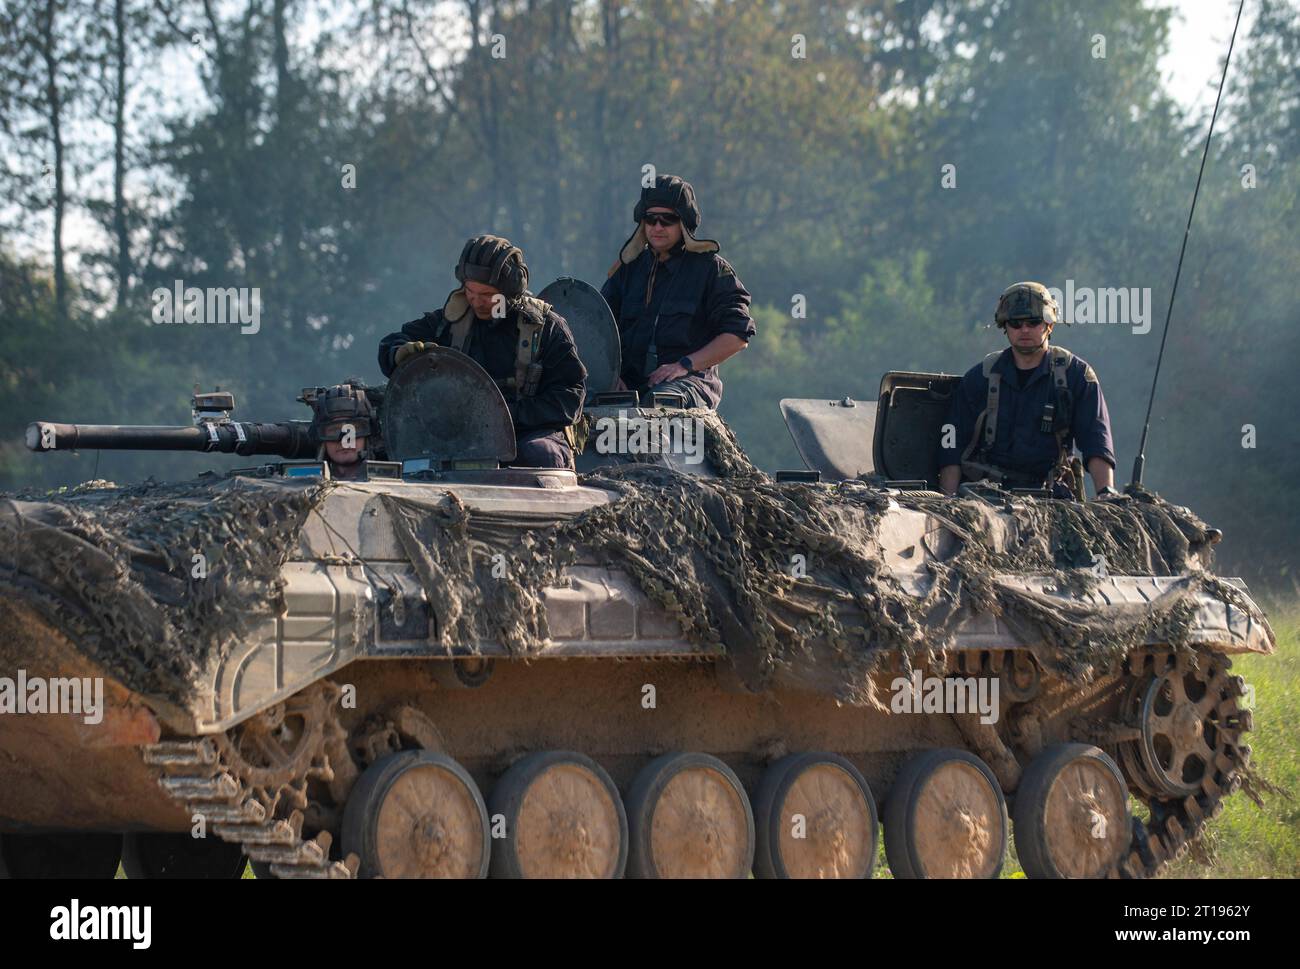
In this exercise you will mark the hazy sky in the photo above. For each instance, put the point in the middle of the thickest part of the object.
(1198, 39)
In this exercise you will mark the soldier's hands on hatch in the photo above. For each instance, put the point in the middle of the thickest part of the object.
(408, 350)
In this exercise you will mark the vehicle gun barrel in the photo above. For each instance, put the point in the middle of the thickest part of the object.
(288, 439)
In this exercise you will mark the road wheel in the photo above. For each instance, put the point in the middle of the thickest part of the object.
(688, 817)
(563, 818)
(417, 814)
(816, 818)
(1071, 814)
(945, 818)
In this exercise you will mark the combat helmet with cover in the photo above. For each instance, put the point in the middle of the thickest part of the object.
(1026, 301)
(347, 405)
(1034, 302)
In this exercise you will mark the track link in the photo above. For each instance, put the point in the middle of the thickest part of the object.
(1177, 824)
(193, 774)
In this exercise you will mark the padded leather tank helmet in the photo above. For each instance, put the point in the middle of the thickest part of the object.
(493, 261)
(670, 192)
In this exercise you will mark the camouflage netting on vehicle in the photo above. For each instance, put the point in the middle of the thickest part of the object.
(719, 556)
(154, 582)
(785, 578)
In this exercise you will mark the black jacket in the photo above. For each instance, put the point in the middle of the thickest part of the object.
(558, 401)
(696, 296)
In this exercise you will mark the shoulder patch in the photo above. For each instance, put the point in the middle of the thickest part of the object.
(724, 267)
(1089, 375)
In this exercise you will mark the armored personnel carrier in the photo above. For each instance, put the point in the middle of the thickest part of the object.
(668, 665)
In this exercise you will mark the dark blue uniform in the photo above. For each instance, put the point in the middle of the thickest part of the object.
(539, 420)
(696, 296)
(1020, 445)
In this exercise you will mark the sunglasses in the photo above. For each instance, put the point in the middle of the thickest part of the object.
(1017, 324)
(660, 218)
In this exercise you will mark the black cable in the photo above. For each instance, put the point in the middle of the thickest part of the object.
(1140, 461)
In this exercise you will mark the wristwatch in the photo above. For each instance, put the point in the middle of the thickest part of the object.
(688, 364)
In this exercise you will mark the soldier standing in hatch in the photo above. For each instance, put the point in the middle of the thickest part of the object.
(1019, 414)
(681, 309)
(343, 421)
(523, 344)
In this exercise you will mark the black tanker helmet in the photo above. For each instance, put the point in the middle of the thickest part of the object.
(672, 192)
(493, 261)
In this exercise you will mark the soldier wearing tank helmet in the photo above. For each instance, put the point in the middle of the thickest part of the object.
(680, 307)
(343, 421)
(523, 344)
(1019, 415)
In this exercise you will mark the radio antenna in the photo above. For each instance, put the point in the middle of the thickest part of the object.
(1140, 461)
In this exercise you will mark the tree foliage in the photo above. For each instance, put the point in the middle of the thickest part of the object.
(336, 156)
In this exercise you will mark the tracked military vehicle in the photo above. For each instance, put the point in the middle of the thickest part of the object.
(659, 667)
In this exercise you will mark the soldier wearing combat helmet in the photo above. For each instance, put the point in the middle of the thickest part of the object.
(343, 421)
(1019, 415)
(523, 344)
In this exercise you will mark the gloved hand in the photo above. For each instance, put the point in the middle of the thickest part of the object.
(408, 350)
